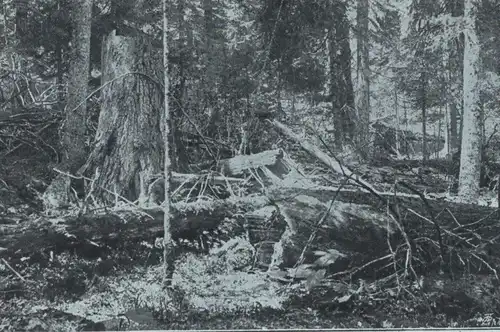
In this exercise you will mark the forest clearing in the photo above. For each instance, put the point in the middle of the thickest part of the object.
(200, 164)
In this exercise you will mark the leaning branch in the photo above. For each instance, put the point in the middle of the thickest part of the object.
(323, 157)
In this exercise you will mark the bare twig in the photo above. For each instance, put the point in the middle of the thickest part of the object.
(487, 265)
(12, 269)
(434, 221)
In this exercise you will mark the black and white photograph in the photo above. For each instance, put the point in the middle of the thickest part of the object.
(249, 165)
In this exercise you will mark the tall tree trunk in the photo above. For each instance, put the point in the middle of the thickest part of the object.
(456, 62)
(363, 73)
(398, 125)
(341, 90)
(74, 126)
(179, 158)
(209, 77)
(60, 77)
(168, 244)
(470, 156)
(453, 128)
(423, 103)
(126, 153)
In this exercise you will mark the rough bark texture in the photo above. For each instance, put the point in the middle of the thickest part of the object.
(423, 104)
(93, 236)
(74, 126)
(168, 249)
(73, 131)
(363, 72)
(210, 71)
(354, 219)
(456, 63)
(470, 156)
(453, 128)
(128, 143)
(341, 90)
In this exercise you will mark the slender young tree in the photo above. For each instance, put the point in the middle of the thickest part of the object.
(168, 257)
(470, 156)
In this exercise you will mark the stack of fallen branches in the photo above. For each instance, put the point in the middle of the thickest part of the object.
(31, 129)
(431, 235)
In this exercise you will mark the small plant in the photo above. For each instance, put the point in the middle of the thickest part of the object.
(486, 320)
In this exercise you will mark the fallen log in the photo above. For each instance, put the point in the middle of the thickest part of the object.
(359, 226)
(95, 235)
(357, 218)
(238, 164)
(189, 178)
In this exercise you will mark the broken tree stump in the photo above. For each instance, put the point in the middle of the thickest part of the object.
(237, 165)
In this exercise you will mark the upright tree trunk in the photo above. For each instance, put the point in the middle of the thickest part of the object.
(398, 125)
(453, 128)
(179, 158)
(209, 77)
(76, 109)
(74, 126)
(59, 78)
(470, 156)
(423, 103)
(456, 62)
(168, 245)
(9, 18)
(127, 150)
(363, 73)
(341, 90)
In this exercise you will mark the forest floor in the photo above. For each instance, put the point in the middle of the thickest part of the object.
(69, 293)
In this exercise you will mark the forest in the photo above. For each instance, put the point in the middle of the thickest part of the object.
(258, 164)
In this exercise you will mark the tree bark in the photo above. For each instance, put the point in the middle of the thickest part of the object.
(93, 233)
(93, 236)
(76, 111)
(74, 126)
(456, 62)
(398, 122)
(128, 143)
(210, 69)
(168, 245)
(470, 156)
(179, 155)
(423, 103)
(341, 90)
(363, 72)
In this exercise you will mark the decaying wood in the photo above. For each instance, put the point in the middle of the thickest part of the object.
(355, 219)
(237, 165)
(322, 156)
(359, 226)
(94, 234)
(180, 178)
(156, 188)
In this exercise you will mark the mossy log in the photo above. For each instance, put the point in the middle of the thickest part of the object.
(95, 235)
